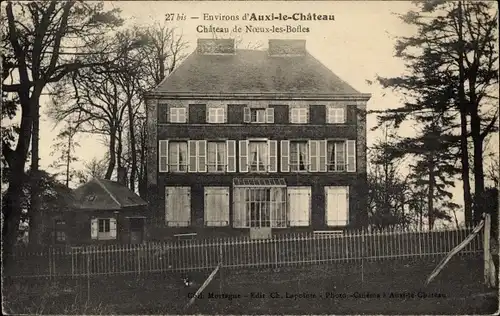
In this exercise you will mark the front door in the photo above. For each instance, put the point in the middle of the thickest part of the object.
(136, 230)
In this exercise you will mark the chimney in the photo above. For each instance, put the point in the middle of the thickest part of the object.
(122, 176)
(283, 47)
(208, 46)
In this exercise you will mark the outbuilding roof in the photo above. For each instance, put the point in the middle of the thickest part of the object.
(101, 194)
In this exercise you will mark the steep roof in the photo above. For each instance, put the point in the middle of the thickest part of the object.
(253, 71)
(100, 194)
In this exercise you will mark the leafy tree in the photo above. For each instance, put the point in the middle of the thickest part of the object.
(387, 187)
(64, 149)
(42, 42)
(453, 72)
(110, 100)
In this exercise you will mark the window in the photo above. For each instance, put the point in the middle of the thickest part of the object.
(258, 115)
(177, 115)
(337, 206)
(216, 156)
(197, 155)
(332, 156)
(298, 156)
(299, 115)
(104, 225)
(177, 156)
(216, 115)
(260, 207)
(60, 231)
(299, 205)
(257, 156)
(216, 211)
(336, 155)
(178, 206)
(317, 155)
(335, 114)
(103, 228)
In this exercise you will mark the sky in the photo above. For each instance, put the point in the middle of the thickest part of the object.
(357, 46)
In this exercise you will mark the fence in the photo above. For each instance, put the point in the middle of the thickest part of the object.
(280, 250)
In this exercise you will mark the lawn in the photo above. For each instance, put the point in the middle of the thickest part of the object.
(380, 287)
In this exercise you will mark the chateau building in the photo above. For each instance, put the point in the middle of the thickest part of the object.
(255, 142)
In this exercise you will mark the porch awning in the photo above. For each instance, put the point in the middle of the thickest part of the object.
(259, 182)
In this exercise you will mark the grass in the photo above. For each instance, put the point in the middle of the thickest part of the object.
(343, 288)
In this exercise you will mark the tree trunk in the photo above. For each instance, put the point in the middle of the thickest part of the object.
(430, 195)
(119, 151)
(11, 210)
(133, 147)
(464, 152)
(112, 154)
(478, 166)
(68, 157)
(34, 210)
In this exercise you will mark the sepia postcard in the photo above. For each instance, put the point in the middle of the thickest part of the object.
(250, 157)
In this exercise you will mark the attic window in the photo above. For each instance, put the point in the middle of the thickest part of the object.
(91, 198)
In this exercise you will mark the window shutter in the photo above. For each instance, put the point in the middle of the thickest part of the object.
(192, 156)
(351, 155)
(112, 228)
(273, 156)
(328, 116)
(231, 155)
(270, 115)
(178, 206)
(94, 228)
(163, 155)
(169, 204)
(322, 155)
(246, 115)
(202, 155)
(313, 155)
(337, 206)
(243, 152)
(185, 207)
(299, 205)
(285, 156)
(216, 210)
(208, 111)
(239, 208)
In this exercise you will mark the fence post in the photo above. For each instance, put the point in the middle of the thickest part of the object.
(362, 255)
(489, 266)
(88, 275)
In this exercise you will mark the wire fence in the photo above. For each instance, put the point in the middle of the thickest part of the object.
(278, 251)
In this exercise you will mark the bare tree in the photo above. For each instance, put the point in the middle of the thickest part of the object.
(43, 42)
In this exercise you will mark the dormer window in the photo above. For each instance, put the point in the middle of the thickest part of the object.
(91, 198)
(259, 115)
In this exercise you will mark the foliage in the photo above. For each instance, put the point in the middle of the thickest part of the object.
(42, 43)
(449, 87)
(64, 150)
